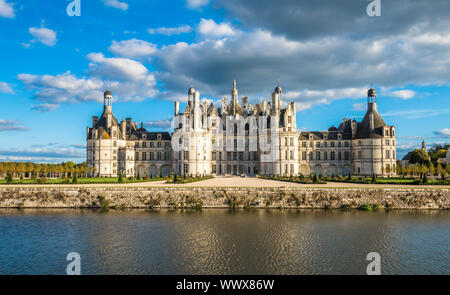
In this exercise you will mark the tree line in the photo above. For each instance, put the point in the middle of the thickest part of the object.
(36, 170)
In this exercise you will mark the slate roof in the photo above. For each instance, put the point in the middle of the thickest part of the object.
(363, 130)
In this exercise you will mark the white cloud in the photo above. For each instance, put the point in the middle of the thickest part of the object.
(403, 94)
(194, 4)
(159, 124)
(133, 48)
(42, 154)
(116, 4)
(210, 28)
(11, 125)
(443, 132)
(359, 107)
(64, 88)
(45, 107)
(127, 79)
(119, 68)
(44, 35)
(4, 87)
(6, 9)
(170, 31)
(418, 114)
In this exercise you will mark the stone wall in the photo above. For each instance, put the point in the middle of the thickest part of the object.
(144, 197)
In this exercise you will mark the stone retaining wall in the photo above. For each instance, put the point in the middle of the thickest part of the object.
(144, 197)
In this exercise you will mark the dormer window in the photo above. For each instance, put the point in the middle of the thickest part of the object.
(339, 136)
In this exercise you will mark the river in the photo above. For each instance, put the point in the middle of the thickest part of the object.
(36, 241)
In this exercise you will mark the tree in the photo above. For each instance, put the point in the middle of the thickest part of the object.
(432, 169)
(74, 179)
(440, 171)
(419, 156)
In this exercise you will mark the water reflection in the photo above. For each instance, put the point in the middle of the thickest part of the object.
(224, 242)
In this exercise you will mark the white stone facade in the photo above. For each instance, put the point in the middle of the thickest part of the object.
(238, 139)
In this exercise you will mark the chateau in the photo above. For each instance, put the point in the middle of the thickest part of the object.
(240, 138)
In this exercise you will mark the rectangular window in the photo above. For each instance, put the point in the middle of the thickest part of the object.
(292, 141)
(317, 156)
(152, 144)
(137, 156)
(228, 156)
(304, 156)
(311, 156)
(325, 156)
(332, 156)
(159, 156)
(241, 156)
(332, 144)
(159, 144)
(152, 157)
(144, 144)
(318, 144)
(303, 144)
(347, 155)
(213, 156)
(144, 156)
(292, 155)
(387, 155)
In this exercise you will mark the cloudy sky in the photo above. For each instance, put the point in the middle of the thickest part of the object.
(325, 54)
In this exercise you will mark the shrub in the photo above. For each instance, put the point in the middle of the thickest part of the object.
(74, 179)
(425, 179)
(365, 207)
(120, 180)
(9, 178)
(374, 178)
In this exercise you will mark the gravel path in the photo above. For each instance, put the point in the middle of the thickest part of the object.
(233, 181)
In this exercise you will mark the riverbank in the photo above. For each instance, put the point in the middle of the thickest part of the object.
(221, 197)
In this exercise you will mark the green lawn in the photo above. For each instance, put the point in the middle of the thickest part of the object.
(79, 180)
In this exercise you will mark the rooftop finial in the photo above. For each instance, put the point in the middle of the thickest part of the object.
(234, 84)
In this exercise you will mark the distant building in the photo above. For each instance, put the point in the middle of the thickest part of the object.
(237, 139)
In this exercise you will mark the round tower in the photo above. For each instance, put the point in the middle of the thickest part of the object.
(107, 100)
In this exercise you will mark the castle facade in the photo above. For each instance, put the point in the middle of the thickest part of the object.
(240, 138)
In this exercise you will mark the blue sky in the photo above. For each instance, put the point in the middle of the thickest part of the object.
(54, 68)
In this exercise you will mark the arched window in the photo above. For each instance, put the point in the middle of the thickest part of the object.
(235, 129)
(247, 128)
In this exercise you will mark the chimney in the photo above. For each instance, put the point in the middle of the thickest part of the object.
(177, 108)
(244, 103)
(94, 121)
